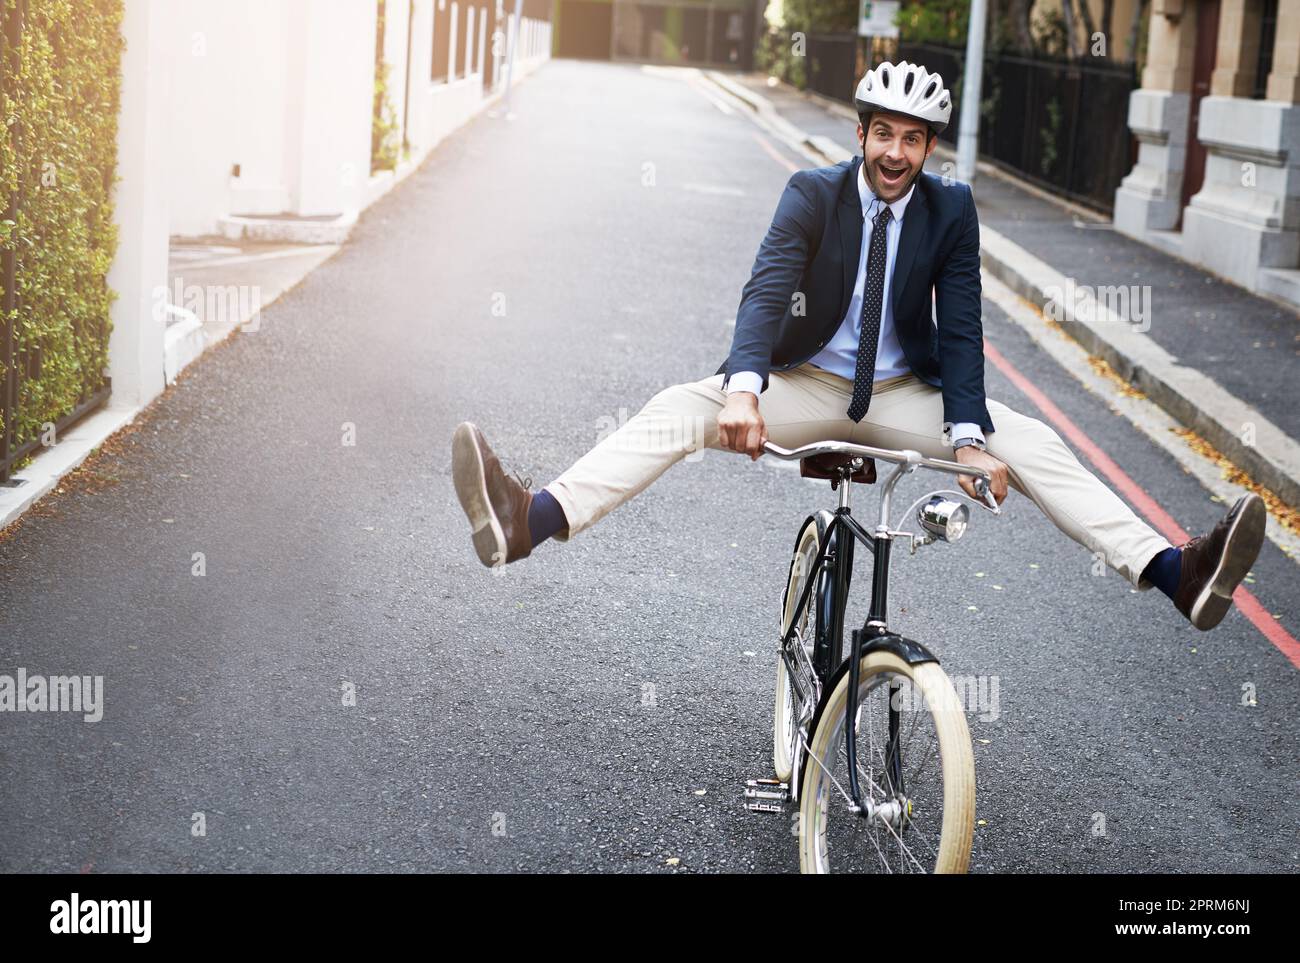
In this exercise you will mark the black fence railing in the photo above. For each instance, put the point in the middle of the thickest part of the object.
(948, 63)
(668, 32)
(11, 36)
(832, 65)
(1060, 124)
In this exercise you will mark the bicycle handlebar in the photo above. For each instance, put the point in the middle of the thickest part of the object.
(904, 456)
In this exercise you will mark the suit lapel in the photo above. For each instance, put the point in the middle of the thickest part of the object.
(850, 215)
(916, 224)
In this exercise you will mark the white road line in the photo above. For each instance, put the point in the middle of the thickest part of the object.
(178, 266)
(721, 190)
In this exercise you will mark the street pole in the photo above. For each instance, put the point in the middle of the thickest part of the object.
(968, 133)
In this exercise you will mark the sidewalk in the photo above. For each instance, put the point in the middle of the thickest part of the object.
(1215, 356)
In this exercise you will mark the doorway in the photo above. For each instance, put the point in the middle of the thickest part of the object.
(1207, 44)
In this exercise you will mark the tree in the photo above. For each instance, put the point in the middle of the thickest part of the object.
(1019, 17)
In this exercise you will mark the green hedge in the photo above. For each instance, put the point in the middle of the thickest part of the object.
(384, 128)
(58, 156)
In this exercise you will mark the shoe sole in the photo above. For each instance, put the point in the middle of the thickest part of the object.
(1240, 549)
(471, 489)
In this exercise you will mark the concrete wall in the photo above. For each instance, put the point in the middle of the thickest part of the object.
(284, 89)
(229, 99)
(1244, 221)
(281, 88)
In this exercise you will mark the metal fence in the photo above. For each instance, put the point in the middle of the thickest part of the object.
(668, 32)
(1060, 124)
(832, 65)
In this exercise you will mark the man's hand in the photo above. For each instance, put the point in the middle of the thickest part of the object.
(740, 426)
(970, 455)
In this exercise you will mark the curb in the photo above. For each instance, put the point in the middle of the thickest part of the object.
(48, 469)
(1193, 398)
(816, 148)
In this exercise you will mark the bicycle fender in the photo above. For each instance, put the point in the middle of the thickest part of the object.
(909, 650)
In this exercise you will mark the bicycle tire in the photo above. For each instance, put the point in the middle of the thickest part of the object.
(806, 545)
(951, 854)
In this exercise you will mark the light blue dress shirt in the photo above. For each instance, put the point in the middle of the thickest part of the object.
(841, 352)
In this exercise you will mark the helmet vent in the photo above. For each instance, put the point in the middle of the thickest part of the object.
(929, 91)
(884, 77)
(907, 84)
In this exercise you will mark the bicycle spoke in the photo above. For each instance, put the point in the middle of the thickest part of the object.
(910, 846)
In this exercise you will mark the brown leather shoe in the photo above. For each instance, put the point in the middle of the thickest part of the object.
(496, 504)
(1214, 564)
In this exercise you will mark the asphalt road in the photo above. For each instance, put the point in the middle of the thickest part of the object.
(503, 722)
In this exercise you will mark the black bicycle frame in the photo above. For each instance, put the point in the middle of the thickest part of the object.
(835, 557)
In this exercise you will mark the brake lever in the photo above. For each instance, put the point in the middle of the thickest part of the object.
(991, 503)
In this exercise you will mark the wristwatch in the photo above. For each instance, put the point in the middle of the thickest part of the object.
(963, 442)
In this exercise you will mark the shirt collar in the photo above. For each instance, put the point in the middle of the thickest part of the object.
(869, 200)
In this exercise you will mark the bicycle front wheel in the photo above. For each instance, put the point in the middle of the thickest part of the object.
(915, 769)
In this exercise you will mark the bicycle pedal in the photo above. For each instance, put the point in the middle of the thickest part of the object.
(766, 795)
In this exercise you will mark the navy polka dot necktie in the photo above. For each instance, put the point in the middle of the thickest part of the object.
(864, 376)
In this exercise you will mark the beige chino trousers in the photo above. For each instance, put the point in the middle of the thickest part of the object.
(807, 404)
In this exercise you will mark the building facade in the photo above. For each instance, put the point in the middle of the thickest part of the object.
(1217, 179)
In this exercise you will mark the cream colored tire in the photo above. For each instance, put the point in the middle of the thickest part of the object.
(821, 801)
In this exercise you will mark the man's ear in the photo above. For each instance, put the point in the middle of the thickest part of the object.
(860, 141)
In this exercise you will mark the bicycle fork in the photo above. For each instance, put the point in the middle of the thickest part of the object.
(861, 638)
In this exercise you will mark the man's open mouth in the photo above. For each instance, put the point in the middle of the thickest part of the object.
(892, 176)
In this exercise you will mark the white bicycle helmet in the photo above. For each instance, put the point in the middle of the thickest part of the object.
(904, 88)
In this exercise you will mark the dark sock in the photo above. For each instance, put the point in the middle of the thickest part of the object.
(545, 517)
(1164, 570)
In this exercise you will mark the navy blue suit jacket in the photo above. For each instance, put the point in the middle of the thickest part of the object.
(813, 247)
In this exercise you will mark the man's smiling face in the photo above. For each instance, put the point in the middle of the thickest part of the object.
(894, 151)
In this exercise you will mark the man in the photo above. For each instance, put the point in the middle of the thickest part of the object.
(861, 322)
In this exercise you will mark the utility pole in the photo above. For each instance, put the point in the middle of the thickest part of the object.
(968, 132)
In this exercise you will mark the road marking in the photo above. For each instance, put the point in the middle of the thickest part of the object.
(772, 152)
(705, 89)
(1160, 519)
(719, 189)
(1146, 416)
(308, 249)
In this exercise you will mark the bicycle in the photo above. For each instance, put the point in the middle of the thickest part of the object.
(891, 823)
